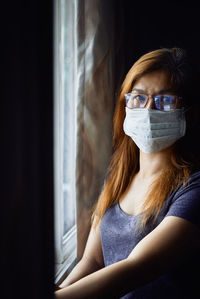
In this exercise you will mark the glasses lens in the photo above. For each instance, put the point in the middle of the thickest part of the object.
(135, 100)
(165, 102)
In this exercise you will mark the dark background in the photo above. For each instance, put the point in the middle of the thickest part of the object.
(27, 257)
(149, 25)
(27, 246)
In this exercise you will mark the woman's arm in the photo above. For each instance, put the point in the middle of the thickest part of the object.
(91, 261)
(167, 245)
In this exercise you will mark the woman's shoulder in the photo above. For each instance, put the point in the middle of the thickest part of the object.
(194, 178)
(185, 202)
(193, 182)
(111, 211)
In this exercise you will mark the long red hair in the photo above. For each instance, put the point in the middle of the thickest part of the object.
(124, 163)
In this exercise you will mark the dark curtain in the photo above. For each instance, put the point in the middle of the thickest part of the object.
(149, 25)
(27, 242)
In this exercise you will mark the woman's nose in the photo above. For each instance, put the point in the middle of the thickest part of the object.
(150, 103)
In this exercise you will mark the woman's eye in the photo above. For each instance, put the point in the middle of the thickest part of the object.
(139, 97)
(168, 99)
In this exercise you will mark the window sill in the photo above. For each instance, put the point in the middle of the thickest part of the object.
(62, 270)
(70, 249)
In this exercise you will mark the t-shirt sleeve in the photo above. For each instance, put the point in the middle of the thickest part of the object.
(187, 205)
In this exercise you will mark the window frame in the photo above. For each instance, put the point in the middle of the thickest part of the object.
(65, 245)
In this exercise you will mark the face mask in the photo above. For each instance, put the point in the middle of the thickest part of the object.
(154, 130)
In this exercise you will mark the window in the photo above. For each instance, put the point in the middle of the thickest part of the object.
(64, 135)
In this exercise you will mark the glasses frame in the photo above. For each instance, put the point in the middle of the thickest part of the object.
(177, 98)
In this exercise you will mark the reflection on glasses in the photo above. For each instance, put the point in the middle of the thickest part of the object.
(162, 102)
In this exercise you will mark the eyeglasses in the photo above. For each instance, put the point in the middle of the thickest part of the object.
(162, 102)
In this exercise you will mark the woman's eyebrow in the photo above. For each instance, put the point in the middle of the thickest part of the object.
(167, 90)
(160, 91)
(138, 90)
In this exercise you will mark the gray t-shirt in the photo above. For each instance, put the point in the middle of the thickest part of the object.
(119, 236)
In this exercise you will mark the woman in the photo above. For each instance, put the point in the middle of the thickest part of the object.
(145, 238)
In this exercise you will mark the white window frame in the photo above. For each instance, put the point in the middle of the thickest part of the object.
(65, 245)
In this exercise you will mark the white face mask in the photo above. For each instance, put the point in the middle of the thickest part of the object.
(154, 130)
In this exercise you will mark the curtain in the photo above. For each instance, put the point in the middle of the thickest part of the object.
(95, 103)
(27, 238)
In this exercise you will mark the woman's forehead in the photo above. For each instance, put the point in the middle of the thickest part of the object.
(153, 82)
